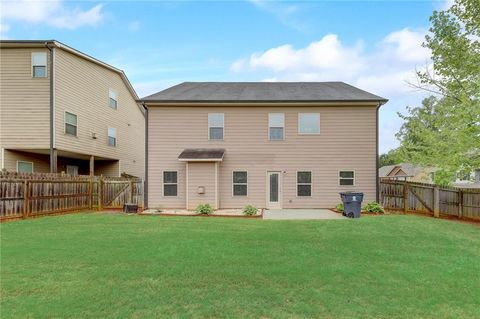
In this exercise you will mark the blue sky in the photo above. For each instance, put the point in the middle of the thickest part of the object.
(374, 45)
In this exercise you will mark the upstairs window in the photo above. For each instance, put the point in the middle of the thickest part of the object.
(276, 125)
(70, 124)
(24, 167)
(347, 178)
(113, 99)
(170, 183)
(304, 183)
(215, 126)
(39, 64)
(112, 136)
(309, 123)
(240, 180)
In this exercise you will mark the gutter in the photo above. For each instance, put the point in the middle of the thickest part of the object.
(145, 187)
(53, 157)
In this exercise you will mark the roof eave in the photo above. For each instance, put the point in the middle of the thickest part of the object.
(258, 102)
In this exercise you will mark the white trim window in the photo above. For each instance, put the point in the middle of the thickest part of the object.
(112, 136)
(170, 183)
(276, 126)
(24, 167)
(346, 178)
(113, 99)
(309, 123)
(71, 123)
(39, 64)
(304, 184)
(240, 183)
(216, 123)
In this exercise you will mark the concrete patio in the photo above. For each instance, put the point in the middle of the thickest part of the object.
(301, 214)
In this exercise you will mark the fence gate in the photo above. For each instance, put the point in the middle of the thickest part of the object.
(430, 199)
(116, 193)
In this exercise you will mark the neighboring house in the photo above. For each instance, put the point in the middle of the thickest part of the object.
(272, 145)
(407, 172)
(469, 180)
(417, 173)
(64, 111)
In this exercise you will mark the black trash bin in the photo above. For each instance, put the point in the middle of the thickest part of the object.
(352, 204)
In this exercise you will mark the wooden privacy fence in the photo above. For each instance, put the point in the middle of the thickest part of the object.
(430, 199)
(30, 195)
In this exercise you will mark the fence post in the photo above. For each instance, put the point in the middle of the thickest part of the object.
(131, 192)
(100, 193)
(460, 203)
(405, 197)
(25, 200)
(90, 192)
(436, 202)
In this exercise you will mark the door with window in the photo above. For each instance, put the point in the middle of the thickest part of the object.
(274, 194)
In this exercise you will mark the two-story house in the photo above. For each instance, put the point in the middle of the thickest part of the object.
(272, 145)
(64, 111)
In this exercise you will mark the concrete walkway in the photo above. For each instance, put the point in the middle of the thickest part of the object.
(300, 214)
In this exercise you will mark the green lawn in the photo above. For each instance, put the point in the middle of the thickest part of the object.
(116, 266)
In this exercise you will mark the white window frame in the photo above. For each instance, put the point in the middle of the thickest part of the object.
(297, 183)
(354, 177)
(223, 126)
(319, 126)
(163, 183)
(270, 127)
(115, 137)
(28, 162)
(65, 124)
(45, 65)
(233, 183)
(113, 94)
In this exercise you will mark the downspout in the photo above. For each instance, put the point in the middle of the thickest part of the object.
(53, 155)
(145, 187)
(377, 181)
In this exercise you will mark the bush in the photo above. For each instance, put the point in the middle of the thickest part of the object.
(373, 207)
(250, 210)
(340, 208)
(204, 209)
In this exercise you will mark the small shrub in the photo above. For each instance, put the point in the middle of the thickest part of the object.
(204, 209)
(373, 207)
(340, 208)
(250, 210)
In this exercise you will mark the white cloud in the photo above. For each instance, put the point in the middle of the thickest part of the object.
(405, 45)
(3, 30)
(53, 13)
(386, 70)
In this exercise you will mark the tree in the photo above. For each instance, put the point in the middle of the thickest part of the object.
(445, 131)
(392, 157)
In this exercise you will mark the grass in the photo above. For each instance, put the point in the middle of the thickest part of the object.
(111, 266)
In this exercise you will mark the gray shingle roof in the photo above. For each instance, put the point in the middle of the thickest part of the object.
(231, 92)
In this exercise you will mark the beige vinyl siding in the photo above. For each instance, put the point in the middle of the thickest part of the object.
(346, 142)
(41, 163)
(201, 174)
(82, 88)
(24, 101)
(107, 168)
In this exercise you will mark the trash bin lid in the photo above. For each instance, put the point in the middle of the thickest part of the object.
(351, 193)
